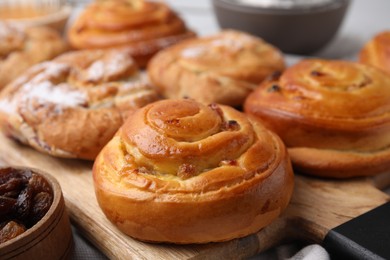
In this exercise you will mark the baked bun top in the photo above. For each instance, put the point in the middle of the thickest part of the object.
(20, 48)
(376, 52)
(144, 26)
(341, 108)
(71, 106)
(197, 173)
(223, 68)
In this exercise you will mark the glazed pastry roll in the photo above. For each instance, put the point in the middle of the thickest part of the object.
(181, 172)
(20, 48)
(73, 105)
(144, 26)
(333, 116)
(223, 68)
(377, 52)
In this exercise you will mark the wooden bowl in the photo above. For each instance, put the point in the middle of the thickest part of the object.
(50, 238)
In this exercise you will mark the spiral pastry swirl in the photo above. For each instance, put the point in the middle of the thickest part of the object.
(20, 48)
(224, 174)
(73, 105)
(223, 68)
(143, 26)
(334, 116)
(377, 52)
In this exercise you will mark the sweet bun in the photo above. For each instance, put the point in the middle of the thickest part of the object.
(182, 172)
(333, 116)
(73, 105)
(377, 52)
(143, 26)
(20, 48)
(223, 68)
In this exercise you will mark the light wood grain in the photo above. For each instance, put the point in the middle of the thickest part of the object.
(317, 206)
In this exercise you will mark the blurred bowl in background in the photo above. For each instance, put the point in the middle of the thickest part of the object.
(297, 27)
(52, 13)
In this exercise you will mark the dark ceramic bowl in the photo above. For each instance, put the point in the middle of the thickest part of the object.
(298, 30)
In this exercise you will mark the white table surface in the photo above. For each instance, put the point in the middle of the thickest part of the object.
(364, 19)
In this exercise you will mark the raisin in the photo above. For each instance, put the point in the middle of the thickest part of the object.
(274, 88)
(41, 204)
(174, 121)
(23, 205)
(217, 109)
(6, 205)
(12, 187)
(8, 173)
(39, 184)
(231, 125)
(186, 171)
(317, 73)
(10, 230)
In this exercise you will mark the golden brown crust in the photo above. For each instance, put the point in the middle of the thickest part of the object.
(181, 172)
(377, 52)
(146, 27)
(223, 68)
(334, 116)
(73, 105)
(20, 48)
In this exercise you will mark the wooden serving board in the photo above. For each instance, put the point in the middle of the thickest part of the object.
(317, 206)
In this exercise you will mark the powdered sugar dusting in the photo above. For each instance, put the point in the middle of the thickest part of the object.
(46, 92)
(110, 66)
(8, 106)
(229, 42)
(233, 41)
(44, 88)
(95, 72)
(226, 42)
(194, 52)
(7, 30)
(117, 61)
(50, 70)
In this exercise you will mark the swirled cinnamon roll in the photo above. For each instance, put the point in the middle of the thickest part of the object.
(334, 116)
(182, 172)
(20, 48)
(144, 27)
(377, 52)
(223, 68)
(73, 105)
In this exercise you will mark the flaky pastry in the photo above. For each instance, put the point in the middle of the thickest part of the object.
(377, 52)
(144, 26)
(181, 172)
(73, 105)
(223, 68)
(333, 116)
(20, 48)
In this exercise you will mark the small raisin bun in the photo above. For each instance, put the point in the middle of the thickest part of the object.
(144, 26)
(181, 172)
(223, 68)
(20, 48)
(377, 52)
(333, 116)
(73, 105)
